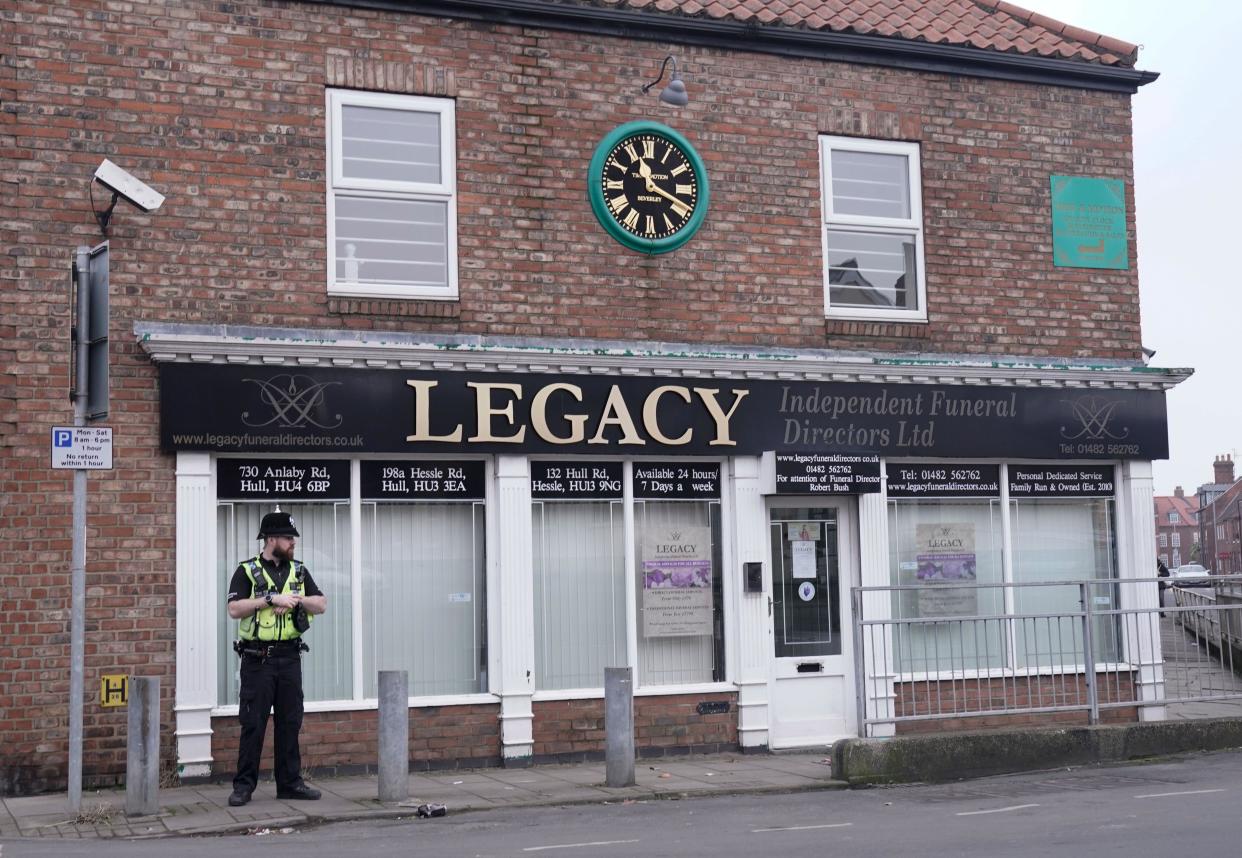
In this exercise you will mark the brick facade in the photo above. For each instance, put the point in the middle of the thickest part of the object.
(957, 700)
(574, 729)
(340, 742)
(221, 107)
(1177, 529)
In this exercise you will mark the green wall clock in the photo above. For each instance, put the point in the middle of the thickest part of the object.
(648, 187)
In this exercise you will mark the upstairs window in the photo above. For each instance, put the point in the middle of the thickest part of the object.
(1174, 518)
(872, 230)
(392, 196)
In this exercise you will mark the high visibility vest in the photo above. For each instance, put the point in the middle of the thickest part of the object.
(265, 624)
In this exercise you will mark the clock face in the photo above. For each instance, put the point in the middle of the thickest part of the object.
(648, 187)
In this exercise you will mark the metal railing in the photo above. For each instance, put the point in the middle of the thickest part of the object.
(950, 654)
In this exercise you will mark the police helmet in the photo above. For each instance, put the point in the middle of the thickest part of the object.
(277, 524)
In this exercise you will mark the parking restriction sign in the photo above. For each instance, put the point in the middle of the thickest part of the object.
(86, 447)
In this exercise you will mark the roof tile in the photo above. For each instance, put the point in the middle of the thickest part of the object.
(984, 24)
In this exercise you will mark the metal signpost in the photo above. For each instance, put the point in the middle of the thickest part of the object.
(83, 449)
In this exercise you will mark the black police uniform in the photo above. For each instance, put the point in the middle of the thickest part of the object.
(271, 676)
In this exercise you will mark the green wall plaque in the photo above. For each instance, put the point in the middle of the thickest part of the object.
(1089, 223)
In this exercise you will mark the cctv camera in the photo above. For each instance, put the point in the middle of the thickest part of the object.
(121, 183)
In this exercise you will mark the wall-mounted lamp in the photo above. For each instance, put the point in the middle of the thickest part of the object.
(675, 92)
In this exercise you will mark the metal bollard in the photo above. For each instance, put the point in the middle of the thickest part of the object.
(142, 747)
(394, 735)
(619, 726)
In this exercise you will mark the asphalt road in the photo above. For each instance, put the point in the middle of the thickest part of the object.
(1186, 806)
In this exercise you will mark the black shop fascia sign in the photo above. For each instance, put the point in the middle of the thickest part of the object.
(242, 408)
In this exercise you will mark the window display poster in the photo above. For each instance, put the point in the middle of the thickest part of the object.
(803, 552)
(677, 582)
(946, 556)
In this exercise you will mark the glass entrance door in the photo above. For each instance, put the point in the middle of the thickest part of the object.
(806, 569)
(811, 554)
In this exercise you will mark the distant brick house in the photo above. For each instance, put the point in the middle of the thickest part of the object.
(1220, 519)
(554, 374)
(1177, 528)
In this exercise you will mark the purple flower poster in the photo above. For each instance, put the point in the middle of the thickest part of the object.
(677, 582)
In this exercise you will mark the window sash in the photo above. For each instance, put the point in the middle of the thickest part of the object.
(859, 180)
(344, 145)
(579, 592)
(683, 659)
(1085, 526)
(391, 237)
(325, 549)
(424, 593)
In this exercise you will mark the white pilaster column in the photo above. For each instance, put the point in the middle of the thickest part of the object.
(876, 690)
(1136, 558)
(753, 629)
(199, 603)
(513, 608)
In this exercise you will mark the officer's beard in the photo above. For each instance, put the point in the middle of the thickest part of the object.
(282, 554)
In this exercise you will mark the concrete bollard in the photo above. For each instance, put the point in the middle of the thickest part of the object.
(394, 735)
(142, 747)
(619, 726)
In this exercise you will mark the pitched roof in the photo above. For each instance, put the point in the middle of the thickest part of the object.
(992, 25)
(1225, 505)
(1186, 507)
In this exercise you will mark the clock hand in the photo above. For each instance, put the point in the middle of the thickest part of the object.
(656, 189)
(645, 172)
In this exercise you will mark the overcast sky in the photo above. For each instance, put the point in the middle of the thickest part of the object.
(1187, 128)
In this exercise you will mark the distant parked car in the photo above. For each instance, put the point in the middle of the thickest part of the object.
(1191, 575)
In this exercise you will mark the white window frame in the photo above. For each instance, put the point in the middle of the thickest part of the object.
(881, 225)
(444, 191)
(1164, 540)
(1176, 540)
(1174, 518)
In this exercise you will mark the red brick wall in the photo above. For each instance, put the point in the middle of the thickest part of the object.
(440, 737)
(662, 725)
(221, 107)
(957, 699)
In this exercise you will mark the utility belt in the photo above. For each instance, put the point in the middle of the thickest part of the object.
(270, 649)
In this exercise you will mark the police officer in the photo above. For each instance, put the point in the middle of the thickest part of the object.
(272, 594)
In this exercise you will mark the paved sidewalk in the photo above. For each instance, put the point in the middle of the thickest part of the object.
(189, 810)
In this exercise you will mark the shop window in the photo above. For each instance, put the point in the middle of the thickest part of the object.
(424, 596)
(1062, 539)
(392, 196)
(679, 592)
(872, 230)
(933, 545)
(580, 617)
(324, 547)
